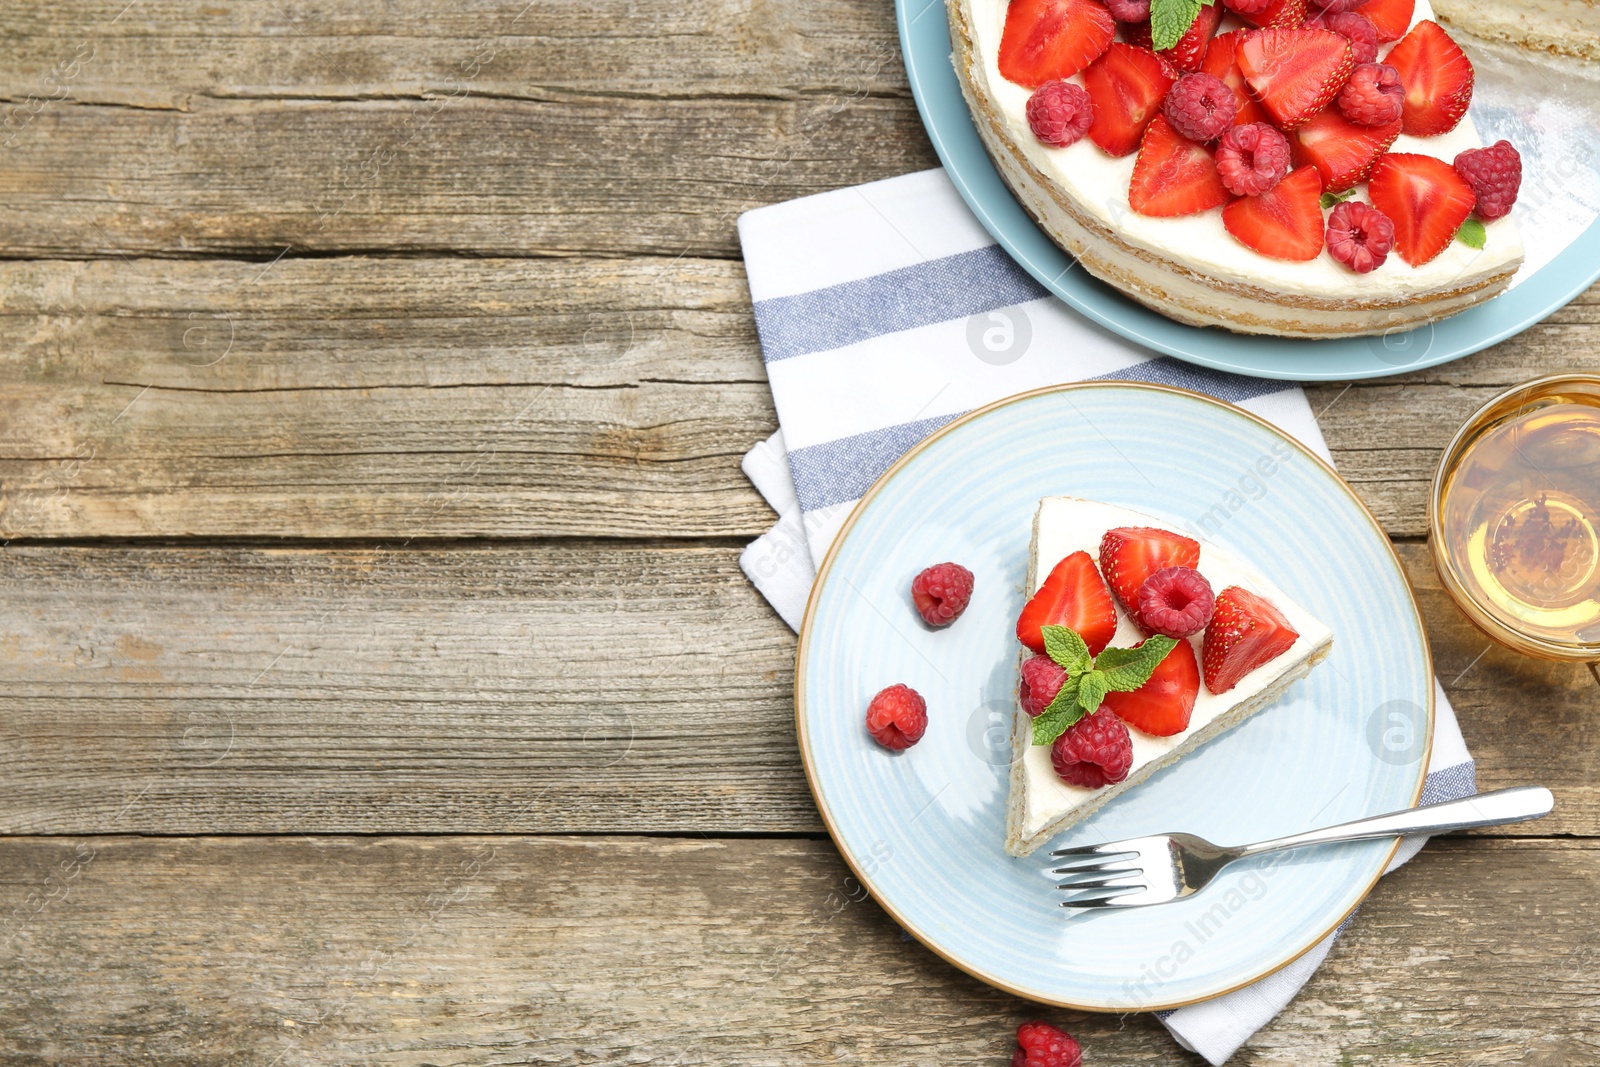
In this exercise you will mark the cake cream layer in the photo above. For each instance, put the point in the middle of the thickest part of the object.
(1064, 525)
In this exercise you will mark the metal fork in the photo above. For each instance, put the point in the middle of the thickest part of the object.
(1168, 867)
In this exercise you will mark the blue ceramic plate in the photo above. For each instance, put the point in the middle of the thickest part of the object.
(923, 828)
(925, 43)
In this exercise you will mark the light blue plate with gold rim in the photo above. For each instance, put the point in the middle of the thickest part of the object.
(925, 46)
(923, 829)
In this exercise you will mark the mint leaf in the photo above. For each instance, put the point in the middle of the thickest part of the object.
(1472, 234)
(1129, 675)
(1330, 199)
(1061, 713)
(1069, 650)
(1115, 657)
(1092, 691)
(1171, 19)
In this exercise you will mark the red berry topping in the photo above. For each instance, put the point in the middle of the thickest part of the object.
(1246, 632)
(1252, 159)
(1437, 76)
(1359, 236)
(1373, 96)
(1161, 707)
(1289, 13)
(1095, 751)
(1336, 6)
(1175, 601)
(1129, 10)
(1356, 28)
(1285, 222)
(1127, 86)
(1072, 596)
(1495, 174)
(897, 717)
(1173, 175)
(1042, 1045)
(1130, 554)
(941, 593)
(1391, 18)
(1295, 73)
(1200, 107)
(1425, 199)
(1342, 151)
(1191, 47)
(1047, 40)
(1247, 7)
(1220, 62)
(1042, 678)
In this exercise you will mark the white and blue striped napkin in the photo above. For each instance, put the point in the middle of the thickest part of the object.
(886, 311)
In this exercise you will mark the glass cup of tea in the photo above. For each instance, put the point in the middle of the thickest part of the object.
(1514, 519)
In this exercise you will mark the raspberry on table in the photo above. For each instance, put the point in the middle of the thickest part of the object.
(1252, 158)
(1129, 10)
(1354, 27)
(1059, 113)
(1042, 1045)
(1176, 601)
(1359, 236)
(1095, 751)
(941, 593)
(1495, 174)
(1042, 679)
(1373, 96)
(1200, 107)
(897, 717)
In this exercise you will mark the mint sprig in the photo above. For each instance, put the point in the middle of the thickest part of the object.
(1333, 199)
(1171, 19)
(1090, 678)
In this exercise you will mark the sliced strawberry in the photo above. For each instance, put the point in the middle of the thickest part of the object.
(1173, 176)
(1437, 76)
(1391, 18)
(1072, 596)
(1245, 632)
(1045, 40)
(1127, 85)
(1425, 199)
(1285, 222)
(1342, 151)
(1295, 73)
(1219, 62)
(1130, 554)
(1162, 706)
(1288, 13)
(1190, 50)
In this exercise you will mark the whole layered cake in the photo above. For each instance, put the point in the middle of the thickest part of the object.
(1283, 167)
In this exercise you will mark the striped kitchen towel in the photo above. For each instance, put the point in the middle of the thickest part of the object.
(885, 311)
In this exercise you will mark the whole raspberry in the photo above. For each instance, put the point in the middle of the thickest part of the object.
(1095, 751)
(1042, 678)
(1252, 158)
(1355, 27)
(1373, 96)
(1042, 1045)
(1247, 7)
(941, 593)
(897, 717)
(1200, 107)
(1059, 113)
(1359, 236)
(1129, 10)
(1333, 7)
(1495, 174)
(1176, 601)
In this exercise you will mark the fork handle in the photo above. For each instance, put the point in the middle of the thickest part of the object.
(1485, 809)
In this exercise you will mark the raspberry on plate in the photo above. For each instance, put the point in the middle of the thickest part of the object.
(1495, 174)
(1373, 96)
(1359, 236)
(1175, 601)
(1200, 107)
(1355, 26)
(1095, 751)
(897, 717)
(1252, 159)
(1129, 10)
(1059, 113)
(941, 592)
(1042, 1045)
(1042, 679)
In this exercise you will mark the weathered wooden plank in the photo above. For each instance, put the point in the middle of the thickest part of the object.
(546, 688)
(625, 950)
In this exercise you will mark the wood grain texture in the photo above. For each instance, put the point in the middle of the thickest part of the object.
(625, 950)
(545, 688)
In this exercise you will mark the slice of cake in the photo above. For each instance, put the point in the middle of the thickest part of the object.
(1110, 576)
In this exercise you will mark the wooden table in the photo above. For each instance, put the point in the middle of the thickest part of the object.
(379, 684)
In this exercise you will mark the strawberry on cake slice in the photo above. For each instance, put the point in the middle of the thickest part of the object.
(1140, 645)
(1300, 168)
